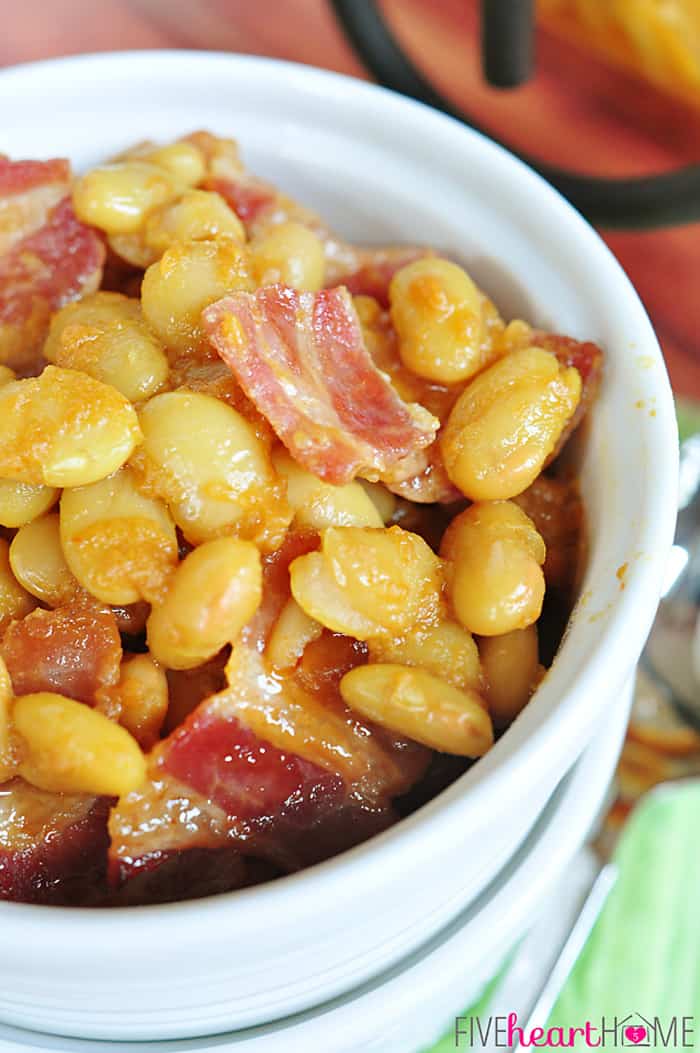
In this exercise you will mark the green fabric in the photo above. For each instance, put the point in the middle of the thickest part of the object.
(643, 955)
(688, 414)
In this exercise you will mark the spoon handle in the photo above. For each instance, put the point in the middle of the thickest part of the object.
(570, 950)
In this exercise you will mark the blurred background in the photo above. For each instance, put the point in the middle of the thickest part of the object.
(616, 91)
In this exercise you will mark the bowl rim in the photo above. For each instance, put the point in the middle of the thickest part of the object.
(426, 829)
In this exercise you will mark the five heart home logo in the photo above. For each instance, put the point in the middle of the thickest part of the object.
(633, 1030)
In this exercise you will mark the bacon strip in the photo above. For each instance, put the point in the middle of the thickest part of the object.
(53, 847)
(74, 650)
(279, 769)
(301, 359)
(47, 257)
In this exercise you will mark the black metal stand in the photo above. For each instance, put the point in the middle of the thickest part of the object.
(640, 203)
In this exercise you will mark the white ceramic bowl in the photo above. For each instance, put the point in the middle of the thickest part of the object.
(383, 169)
(449, 972)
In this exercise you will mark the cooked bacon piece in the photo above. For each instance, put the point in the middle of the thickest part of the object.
(46, 256)
(249, 779)
(74, 650)
(278, 767)
(171, 877)
(376, 267)
(218, 784)
(53, 847)
(301, 359)
(587, 358)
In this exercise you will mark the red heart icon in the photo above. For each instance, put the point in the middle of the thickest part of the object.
(635, 1033)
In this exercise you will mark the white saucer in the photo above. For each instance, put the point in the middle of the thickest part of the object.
(410, 1006)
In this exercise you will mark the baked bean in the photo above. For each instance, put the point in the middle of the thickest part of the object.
(444, 649)
(418, 705)
(142, 693)
(20, 503)
(292, 632)
(436, 309)
(317, 504)
(8, 758)
(64, 428)
(106, 336)
(15, 601)
(118, 197)
(494, 568)
(289, 253)
(506, 422)
(38, 562)
(71, 748)
(204, 459)
(382, 499)
(368, 582)
(182, 159)
(216, 589)
(512, 672)
(187, 278)
(119, 544)
(199, 215)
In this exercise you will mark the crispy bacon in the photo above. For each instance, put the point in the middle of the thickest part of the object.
(278, 767)
(47, 257)
(74, 650)
(53, 847)
(301, 359)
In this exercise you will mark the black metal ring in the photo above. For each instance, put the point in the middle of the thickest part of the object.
(643, 202)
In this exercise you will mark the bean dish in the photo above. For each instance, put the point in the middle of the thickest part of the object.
(289, 527)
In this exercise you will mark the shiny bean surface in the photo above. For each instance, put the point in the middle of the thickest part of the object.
(120, 544)
(39, 564)
(189, 276)
(494, 568)
(105, 336)
(204, 459)
(70, 748)
(20, 503)
(436, 309)
(317, 504)
(368, 582)
(418, 705)
(117, 197)
(511, 671)
(506, 422)
(289, 253)
(142, 693)
(15, 601)
(64, 428)
(216, 589)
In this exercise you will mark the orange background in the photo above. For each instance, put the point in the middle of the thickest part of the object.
(575, 111)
